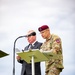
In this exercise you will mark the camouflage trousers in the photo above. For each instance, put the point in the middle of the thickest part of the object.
(53, 71)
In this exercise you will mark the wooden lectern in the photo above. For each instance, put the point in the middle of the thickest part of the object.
(32, 56)
(2, 54)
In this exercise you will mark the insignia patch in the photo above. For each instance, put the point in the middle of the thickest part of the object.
(58, 40)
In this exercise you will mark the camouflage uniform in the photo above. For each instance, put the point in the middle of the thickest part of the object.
(53, 66)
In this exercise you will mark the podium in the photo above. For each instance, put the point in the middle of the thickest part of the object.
(32, 56)
(2, 54)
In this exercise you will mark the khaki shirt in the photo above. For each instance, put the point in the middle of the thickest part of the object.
(53, 43)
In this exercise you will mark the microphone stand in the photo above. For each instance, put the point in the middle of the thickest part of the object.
(14, 53)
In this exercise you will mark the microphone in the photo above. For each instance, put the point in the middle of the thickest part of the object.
(23, 36)
(14, 52)
(31, 34)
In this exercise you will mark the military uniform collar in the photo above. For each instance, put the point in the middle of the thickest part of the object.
(49, 38)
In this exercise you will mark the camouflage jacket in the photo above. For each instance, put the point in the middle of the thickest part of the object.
(53, 43)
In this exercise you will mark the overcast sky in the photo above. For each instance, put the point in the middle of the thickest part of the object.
(19, 16)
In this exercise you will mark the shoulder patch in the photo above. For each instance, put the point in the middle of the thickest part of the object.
(58, 40)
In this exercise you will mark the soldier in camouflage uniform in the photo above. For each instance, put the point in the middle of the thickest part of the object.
(52, 44)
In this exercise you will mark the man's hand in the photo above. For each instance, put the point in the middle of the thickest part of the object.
(18, 57)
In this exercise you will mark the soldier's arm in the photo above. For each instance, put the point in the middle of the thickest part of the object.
(56, 46)
(46, 51)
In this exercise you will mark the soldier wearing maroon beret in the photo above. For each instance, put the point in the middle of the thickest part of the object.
(52, 44)
(43, 27)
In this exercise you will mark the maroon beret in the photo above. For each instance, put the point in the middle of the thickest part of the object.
(43, 28)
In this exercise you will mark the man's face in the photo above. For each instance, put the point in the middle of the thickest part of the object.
(31, 39)
(45, 33)
(31, 36)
